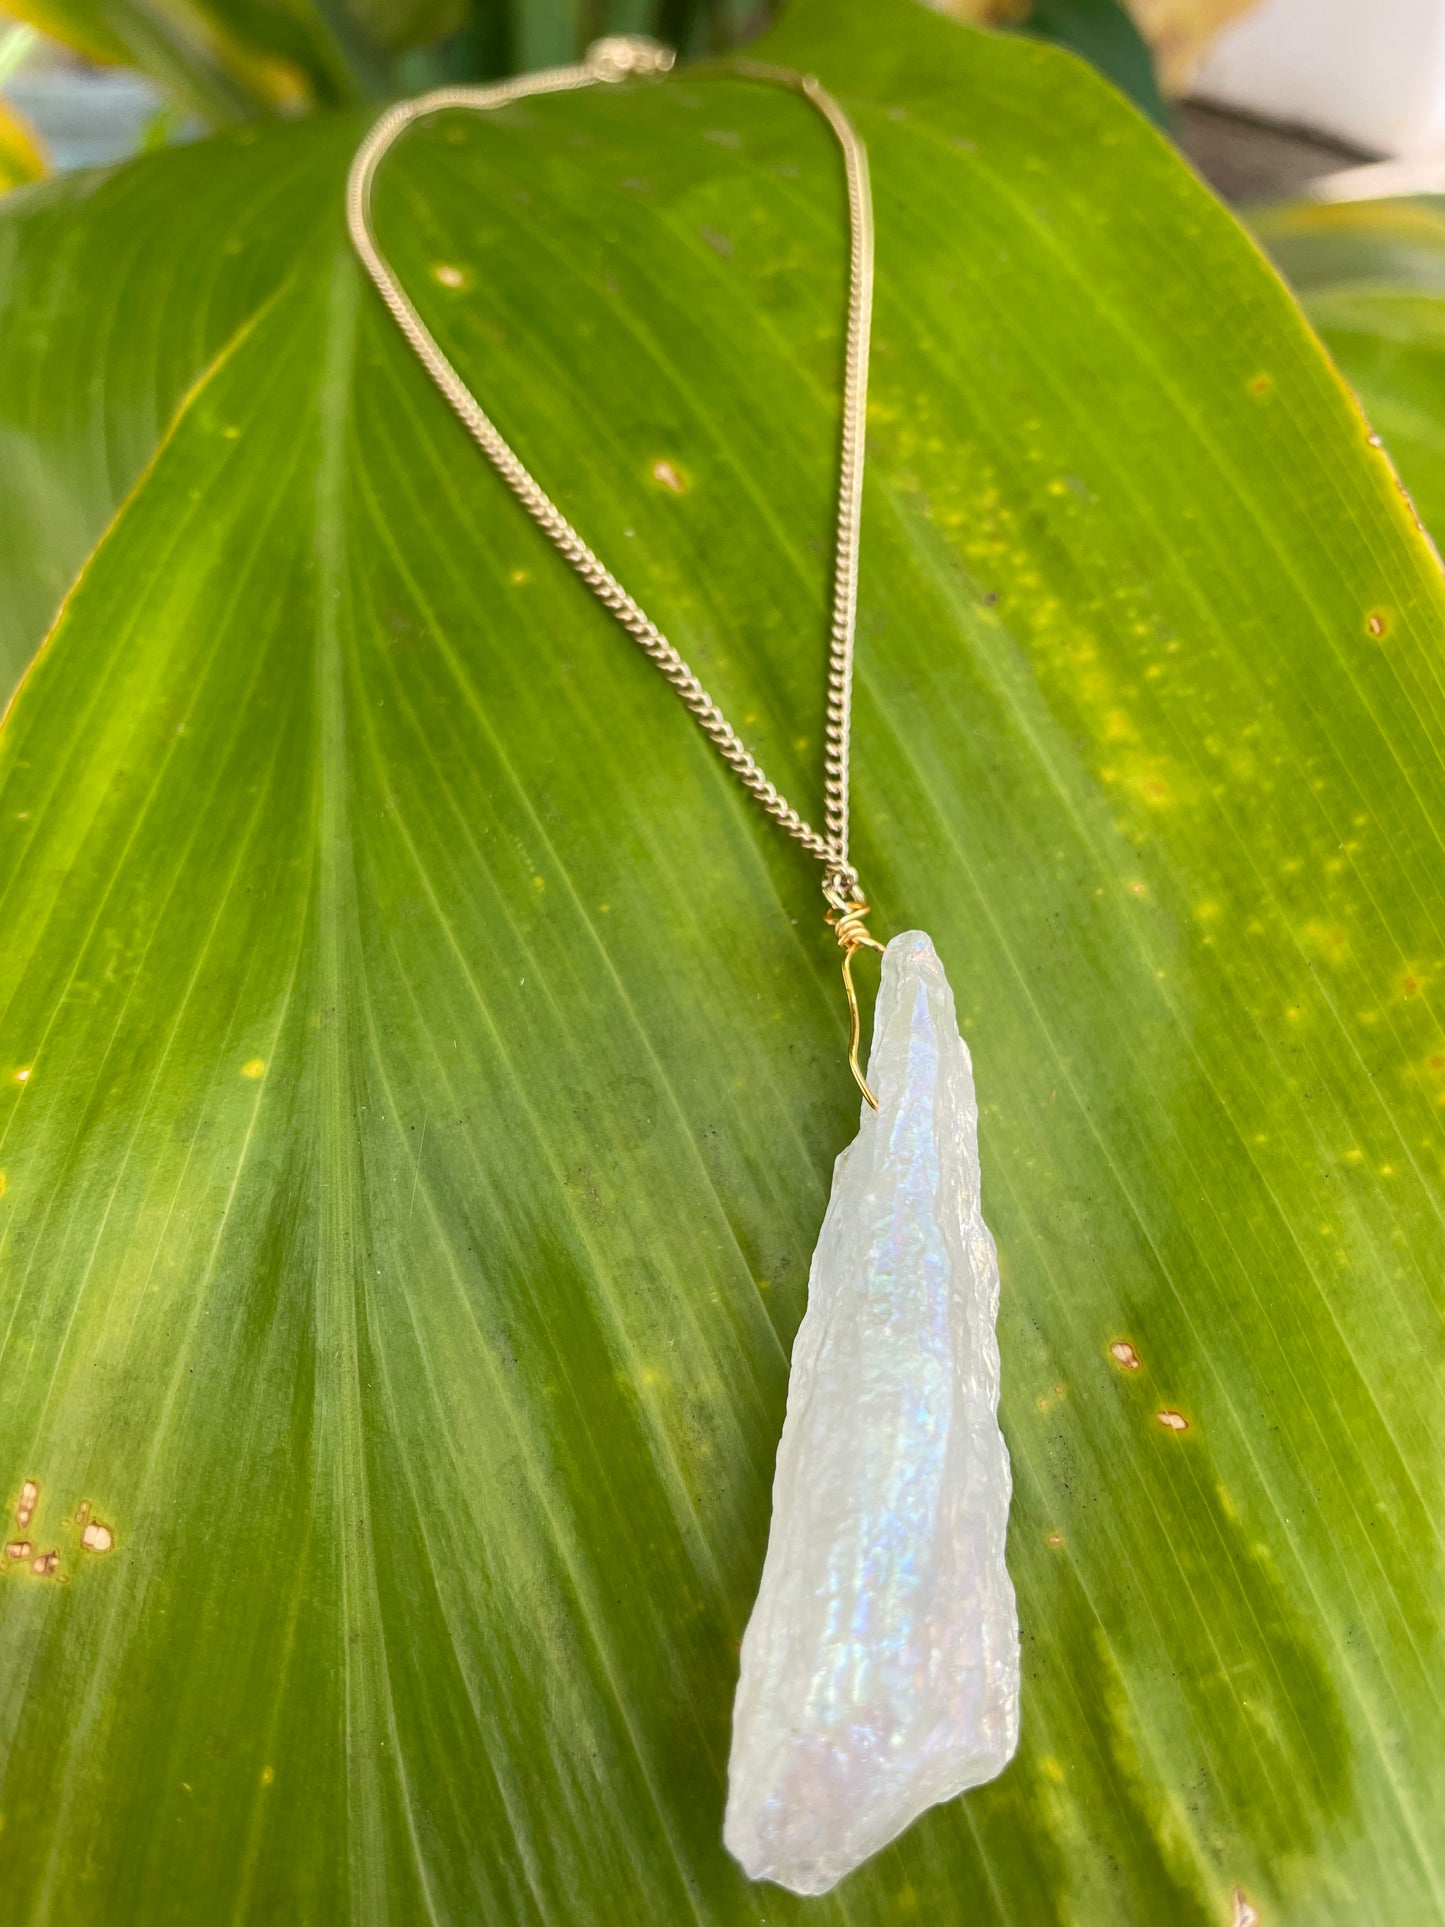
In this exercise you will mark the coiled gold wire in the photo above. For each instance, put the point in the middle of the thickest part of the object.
(847, 916)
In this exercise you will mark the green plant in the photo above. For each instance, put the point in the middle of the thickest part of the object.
(20, 156)
(1371, 276)
(422, 1068)
(232, 60)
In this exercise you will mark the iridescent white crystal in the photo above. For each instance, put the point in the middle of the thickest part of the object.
(880, 1668)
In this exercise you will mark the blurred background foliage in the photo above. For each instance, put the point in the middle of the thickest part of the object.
(217, 62)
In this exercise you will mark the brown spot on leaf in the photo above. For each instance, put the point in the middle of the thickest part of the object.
(1377, 623)
(1125, 1356)
(1261, 384)
(1244, 1915)
(1173, 1421)
(669, 476)
(29, 1496)
(97, 1537)
(44, 1565)
(19, 1549)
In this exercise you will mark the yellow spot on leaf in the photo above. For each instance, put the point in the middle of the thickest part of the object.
(1052, 1768)
(268, 1775)
(447, 276)
(254, 1067)
(1329, 940)
(22, 1076)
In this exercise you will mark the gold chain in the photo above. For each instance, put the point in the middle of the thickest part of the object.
(619, 58)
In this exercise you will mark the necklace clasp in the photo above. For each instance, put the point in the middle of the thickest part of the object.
(622, 56)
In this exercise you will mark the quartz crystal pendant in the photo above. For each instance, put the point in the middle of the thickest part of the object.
(880, 1668)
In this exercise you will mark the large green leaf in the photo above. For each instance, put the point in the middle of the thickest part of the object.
(424, 1066)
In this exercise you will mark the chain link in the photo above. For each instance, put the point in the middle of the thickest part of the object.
(608, 61)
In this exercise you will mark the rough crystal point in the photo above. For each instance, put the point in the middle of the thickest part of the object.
(880, 1668)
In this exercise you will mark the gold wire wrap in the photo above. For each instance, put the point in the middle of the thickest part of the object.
(846, 918)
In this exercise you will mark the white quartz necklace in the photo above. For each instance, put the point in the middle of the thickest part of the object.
(880, 1668)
